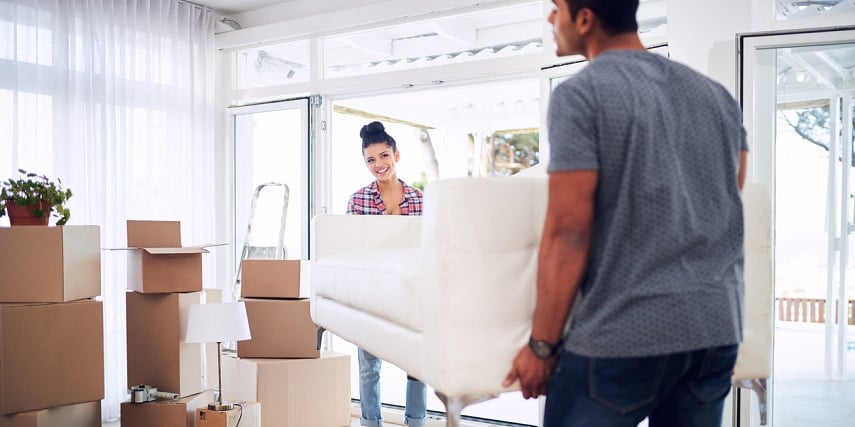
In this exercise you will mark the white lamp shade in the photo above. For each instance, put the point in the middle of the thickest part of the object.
(217, 322)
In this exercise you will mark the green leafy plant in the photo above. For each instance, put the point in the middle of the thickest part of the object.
(29, 188)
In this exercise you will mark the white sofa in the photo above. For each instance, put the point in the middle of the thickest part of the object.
(448, 297)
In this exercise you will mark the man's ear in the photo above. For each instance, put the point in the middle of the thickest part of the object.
(585, 21)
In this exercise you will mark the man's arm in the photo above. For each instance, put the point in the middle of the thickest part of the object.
(562, 262)
(563, 250)
(743, 161)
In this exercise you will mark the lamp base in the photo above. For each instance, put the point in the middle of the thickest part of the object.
(220, 406)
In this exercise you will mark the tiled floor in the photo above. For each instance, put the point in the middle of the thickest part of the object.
(802, 396)
(355, 423)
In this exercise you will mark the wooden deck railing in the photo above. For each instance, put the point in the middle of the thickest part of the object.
(810, 310)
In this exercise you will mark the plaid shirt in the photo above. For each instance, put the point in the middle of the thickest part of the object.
(367, 201)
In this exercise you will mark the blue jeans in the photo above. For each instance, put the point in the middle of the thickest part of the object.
(676, 390)
(369, 394)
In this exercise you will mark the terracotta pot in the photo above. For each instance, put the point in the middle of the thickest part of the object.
(25, 215)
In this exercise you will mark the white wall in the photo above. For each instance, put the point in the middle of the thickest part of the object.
(702, 33)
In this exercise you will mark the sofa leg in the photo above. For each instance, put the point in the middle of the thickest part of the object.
(759, 387)
(320, 338)
(454, 405)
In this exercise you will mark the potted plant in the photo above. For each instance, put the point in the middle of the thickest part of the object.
(31, 198)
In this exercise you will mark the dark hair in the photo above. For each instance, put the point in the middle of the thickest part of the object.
(375, 133)
(615, 16)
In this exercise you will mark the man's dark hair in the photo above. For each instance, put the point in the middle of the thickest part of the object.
(615, 16)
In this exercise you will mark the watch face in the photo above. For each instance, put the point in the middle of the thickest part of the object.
(541, 349)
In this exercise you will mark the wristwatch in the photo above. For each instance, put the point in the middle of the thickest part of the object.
(543, 349)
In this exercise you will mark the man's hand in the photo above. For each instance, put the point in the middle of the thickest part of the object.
(532, 372)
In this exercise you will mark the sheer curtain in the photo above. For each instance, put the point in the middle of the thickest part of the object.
(115, 97)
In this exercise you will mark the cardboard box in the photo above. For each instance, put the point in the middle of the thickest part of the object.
(50, 355)
(292, 392)
(274, 278)
(157, 263)
(248, 413)
(280, 328)
(50, 264)
(86, 414)
(165, 413)
(157, 353)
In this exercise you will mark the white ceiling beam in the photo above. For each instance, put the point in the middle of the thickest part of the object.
(838, 69)
(371, 43)
(459, 32)
(843, 7)
(797, 60)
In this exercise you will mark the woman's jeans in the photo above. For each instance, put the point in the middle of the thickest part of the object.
(369, 394)
(676, 390)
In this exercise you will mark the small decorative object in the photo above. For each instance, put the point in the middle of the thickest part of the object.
(217, 322)
(30, 199)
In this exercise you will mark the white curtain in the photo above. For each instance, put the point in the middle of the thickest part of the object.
(115, 97)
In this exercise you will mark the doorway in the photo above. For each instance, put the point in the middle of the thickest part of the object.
(271, 184)
(797, 95)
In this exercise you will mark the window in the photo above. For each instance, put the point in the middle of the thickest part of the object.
(272, 65)
(793, 9)
(508, 31)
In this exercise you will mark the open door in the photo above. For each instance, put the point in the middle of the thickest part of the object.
(796, 90)
(271, 185)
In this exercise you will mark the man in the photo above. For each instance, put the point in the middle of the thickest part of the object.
(644, 220)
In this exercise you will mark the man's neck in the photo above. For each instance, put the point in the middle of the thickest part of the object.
(623, 41)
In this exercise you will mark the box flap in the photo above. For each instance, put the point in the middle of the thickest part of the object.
(154, 234)
(173, 251)
(210, 245)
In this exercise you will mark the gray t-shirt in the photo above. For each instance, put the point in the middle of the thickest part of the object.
(665, 271)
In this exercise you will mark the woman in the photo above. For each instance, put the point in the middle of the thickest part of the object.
(386, 195)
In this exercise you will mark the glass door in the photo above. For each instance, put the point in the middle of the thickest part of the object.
(271, 182)
(797, 95)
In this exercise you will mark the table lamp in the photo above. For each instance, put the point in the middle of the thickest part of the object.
(217, 322)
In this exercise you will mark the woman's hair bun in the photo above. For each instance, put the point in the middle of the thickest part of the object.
(373, 127)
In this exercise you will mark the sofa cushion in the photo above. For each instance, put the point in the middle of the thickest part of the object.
(383, 282)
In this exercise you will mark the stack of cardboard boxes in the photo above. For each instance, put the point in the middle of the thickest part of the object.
(164, 279)
(51, 329)
(281, 367)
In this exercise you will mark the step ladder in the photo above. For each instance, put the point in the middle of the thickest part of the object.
(265, 231)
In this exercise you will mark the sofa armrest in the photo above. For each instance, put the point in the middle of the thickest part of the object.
(480, 244)
(755, 353)
(337, 233)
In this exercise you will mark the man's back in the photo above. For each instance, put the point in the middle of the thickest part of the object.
(665, 267)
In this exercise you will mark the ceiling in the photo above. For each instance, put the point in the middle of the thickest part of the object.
(815, 72)
(784, 8)
(232, 7)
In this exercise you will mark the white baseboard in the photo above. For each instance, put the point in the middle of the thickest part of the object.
(395, 417)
